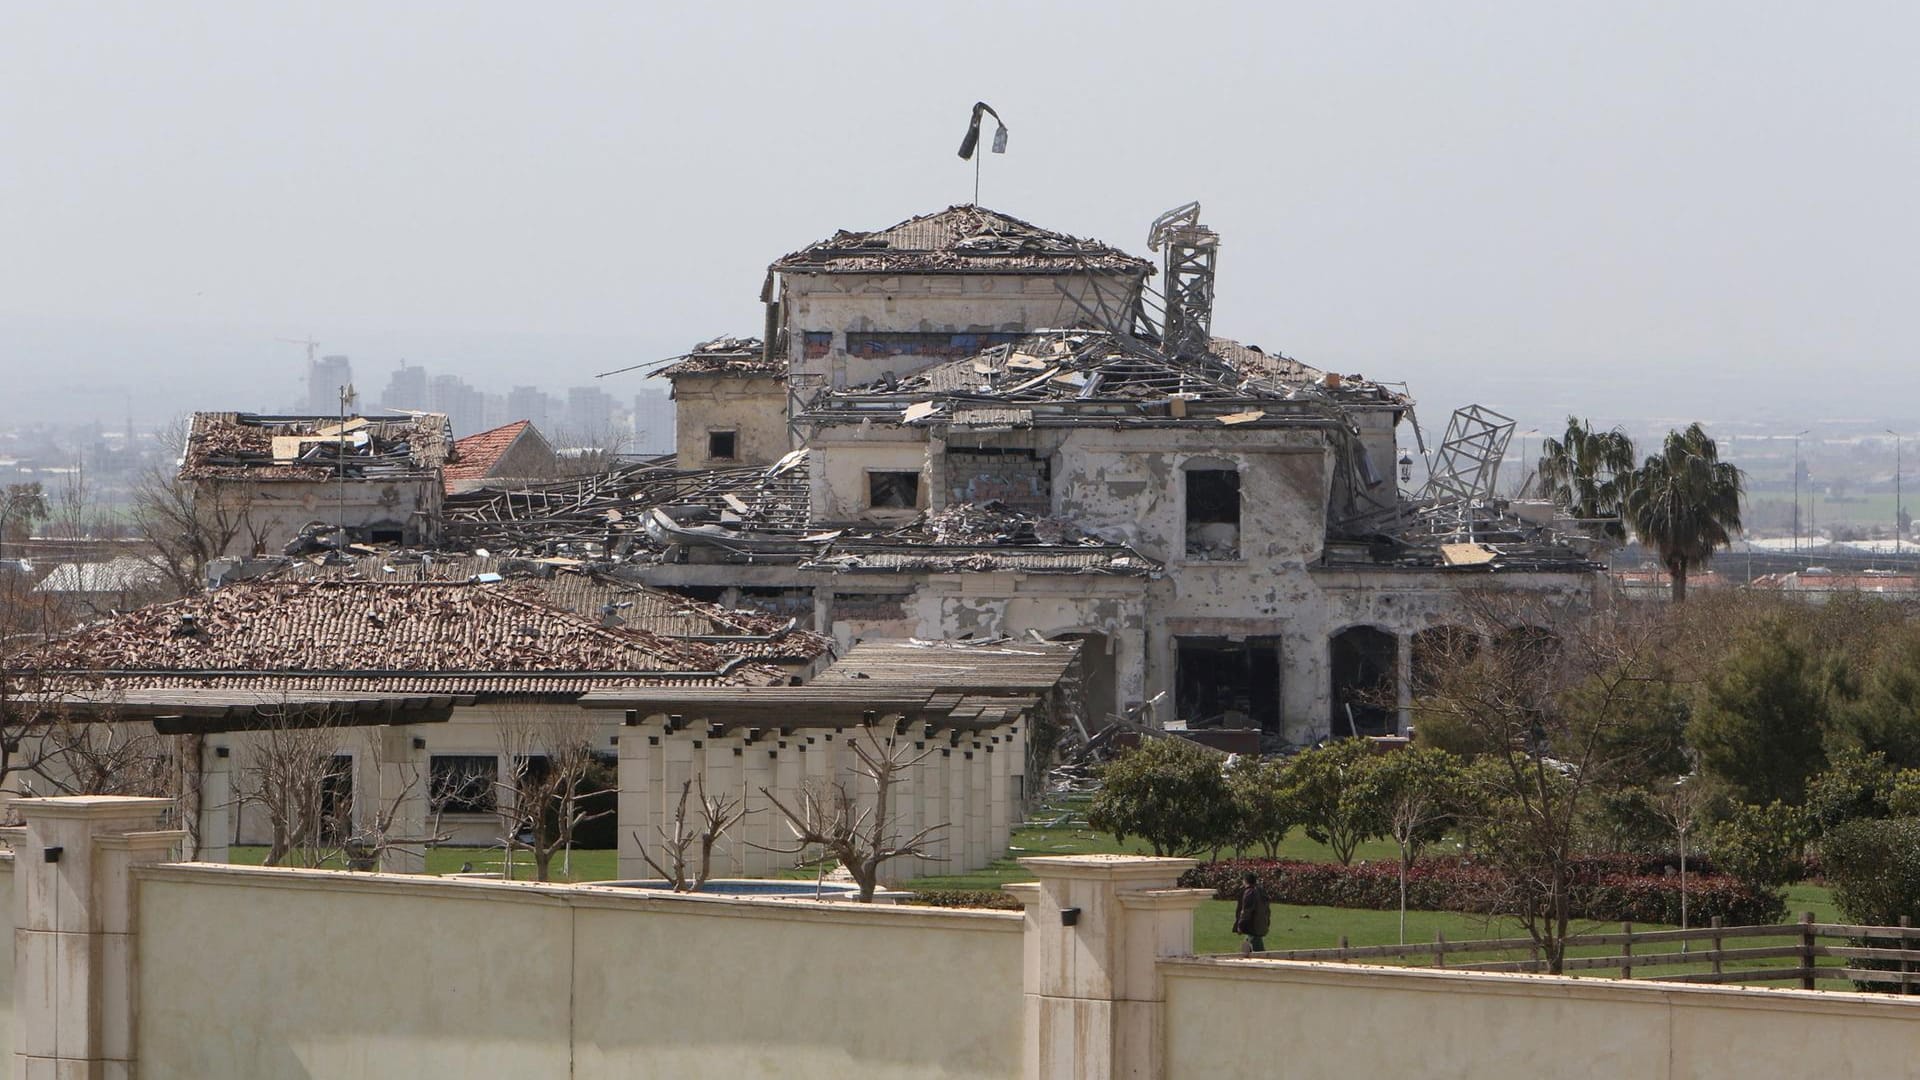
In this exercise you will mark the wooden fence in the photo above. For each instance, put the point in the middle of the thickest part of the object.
(1806, 943)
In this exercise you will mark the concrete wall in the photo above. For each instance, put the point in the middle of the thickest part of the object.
(1247, 1018)
(927, 303)
(312, 973)
(274, 512)
(755, 410)
(839, 461)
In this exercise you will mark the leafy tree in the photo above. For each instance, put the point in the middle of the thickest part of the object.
(1761, 845)
(1334, 791)
(20, 506)
(1550, 723)
(1874, 868)
(1264, 811)
(1886, 715)
(1760, 723)
(1421, 791)
(1855, 786)
(1170, 793)
(1587, 473)
(1903, 800)
(1684, 503)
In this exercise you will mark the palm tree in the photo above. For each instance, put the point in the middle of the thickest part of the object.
(1587, 472)
(1684, 503)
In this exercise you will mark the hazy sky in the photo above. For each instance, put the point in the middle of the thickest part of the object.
(1685, 209)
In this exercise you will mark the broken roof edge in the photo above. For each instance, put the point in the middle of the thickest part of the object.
(938, 243)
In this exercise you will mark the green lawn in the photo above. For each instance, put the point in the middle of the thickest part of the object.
(1294, 927)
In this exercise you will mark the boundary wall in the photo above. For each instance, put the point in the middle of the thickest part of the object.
(125, 964)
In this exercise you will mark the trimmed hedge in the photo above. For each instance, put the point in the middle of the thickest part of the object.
(1608, 888)
(965, 898)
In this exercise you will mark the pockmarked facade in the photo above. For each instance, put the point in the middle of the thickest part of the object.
(993, 434)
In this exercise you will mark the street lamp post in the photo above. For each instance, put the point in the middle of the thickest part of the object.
(1796, 490)
(1896, 496)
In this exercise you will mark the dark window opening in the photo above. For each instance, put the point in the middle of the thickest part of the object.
(720, 445)
(1219, 682)
(1016, 477)
(463, 783)
(1213, 514)
(893, 490)
(1366, 680)
(336, 799)
(386, 536)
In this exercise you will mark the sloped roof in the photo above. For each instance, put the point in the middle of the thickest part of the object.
(959, 239)
(124, 574)
(478, 638)
(735, 357)
(475, 456)
(229, 445)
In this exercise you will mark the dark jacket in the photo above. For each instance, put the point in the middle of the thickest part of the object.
(1253, 915)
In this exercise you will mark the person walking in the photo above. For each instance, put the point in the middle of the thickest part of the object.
(1252, 916)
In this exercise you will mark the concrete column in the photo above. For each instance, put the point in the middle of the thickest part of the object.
(1403, 674)
(932, 791)
(757, 762)
(75, 916)
(215, 825)
(723, 764)
(401, 783)
(639, 803)
(1017, 791)
(1096, 925)
(979, 832)
(999, 796)
(956, 764)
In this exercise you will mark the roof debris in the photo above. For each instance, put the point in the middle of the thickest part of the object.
(309, 448)
(959, 239)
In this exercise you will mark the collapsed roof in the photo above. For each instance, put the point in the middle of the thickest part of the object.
(1101, 374)
(225, 445)
(959, 239)
(728, 357)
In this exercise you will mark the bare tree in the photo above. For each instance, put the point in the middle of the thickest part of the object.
(1548, 709)
(860, 833)
(715, 815)
(374, 822)
(188, 525)
(550, 757)
(33, 701)
(290, 770)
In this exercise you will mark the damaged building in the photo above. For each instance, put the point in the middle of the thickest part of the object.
(995, 429)
(258, 481)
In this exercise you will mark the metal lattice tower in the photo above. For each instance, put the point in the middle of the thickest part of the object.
(1191, 249)
(1466, 466)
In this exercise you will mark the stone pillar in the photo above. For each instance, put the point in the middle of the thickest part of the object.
(1403, 674)
(75, 915)
(722, 781)
(215, 824)
(639, 794)
(999, 799)
(1096, 925)
(978, 792)
(956, 766)
(933, 809)
(757, 760)
(402, 781)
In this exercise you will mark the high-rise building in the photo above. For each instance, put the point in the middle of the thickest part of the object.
(652, 423)
(466, 408)
(325, 377)
(532, 403)
(589, 415)
(406, 388)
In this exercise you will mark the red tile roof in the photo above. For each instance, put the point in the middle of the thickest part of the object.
(476, 455)
(480, 638)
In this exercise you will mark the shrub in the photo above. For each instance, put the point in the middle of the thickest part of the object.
(1609, 888)
(1168, 792)
(1762, 845)
(1874, 868)
(965, 898)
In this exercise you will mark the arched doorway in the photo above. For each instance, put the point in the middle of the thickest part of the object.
(1365, 666)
